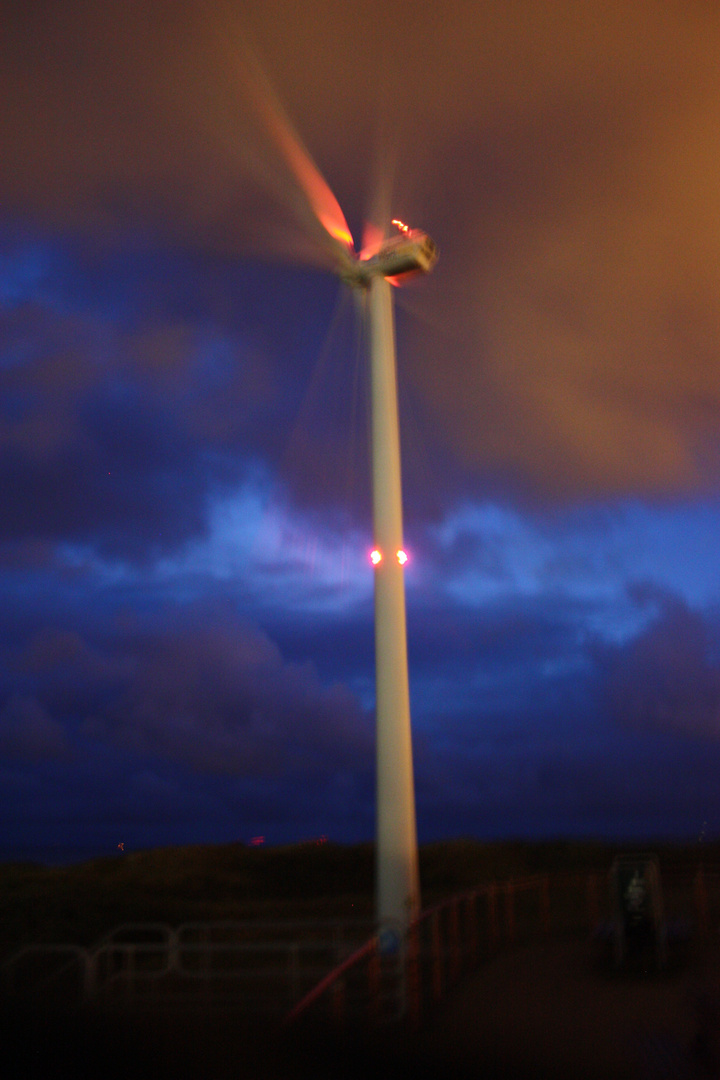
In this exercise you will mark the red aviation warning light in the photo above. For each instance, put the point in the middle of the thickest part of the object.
(376, 556)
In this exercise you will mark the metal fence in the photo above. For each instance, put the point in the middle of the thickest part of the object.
(456, 936)
(336, 969)
(445, 942)
(259, 967)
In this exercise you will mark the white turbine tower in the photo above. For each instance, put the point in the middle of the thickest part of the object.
(397, 877)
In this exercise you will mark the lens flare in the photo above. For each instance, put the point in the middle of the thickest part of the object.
(401, 225)
(375, 557)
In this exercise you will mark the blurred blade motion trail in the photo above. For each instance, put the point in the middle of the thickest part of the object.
(298, 158)
(257, 131)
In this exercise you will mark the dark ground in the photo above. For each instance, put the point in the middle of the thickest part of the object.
(546, 1010)
(543, 1011)
(553, 1010)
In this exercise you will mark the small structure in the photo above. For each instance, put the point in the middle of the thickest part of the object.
(639, 928)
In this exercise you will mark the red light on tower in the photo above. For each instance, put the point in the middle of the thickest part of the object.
(375, 556)
(402, 557)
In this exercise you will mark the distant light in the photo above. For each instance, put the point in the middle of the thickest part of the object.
(257, 840)
(375, 557)
(402, 557)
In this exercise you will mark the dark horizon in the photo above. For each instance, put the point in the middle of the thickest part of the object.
(59, 858)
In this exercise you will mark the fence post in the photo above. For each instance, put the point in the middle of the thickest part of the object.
(454, 942)
(510, 911)
(545, 903)
(205, 962)
(129, 971)
(701, 902)
(593, 902)
(436, 956)
(494, 929)
(294, 972)
(471, 928)
(374, 981)
(413, 975)
(89, 988)
(173, 946)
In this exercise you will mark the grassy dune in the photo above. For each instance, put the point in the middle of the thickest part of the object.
(81, 903)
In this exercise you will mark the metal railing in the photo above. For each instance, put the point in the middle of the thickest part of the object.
(335, 968)
(55, 973)
(456, 936)
(260, 967)
(441, 945)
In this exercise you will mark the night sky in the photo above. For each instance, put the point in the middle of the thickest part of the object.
(186, 638)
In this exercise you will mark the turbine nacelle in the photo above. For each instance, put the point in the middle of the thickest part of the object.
(413, 252)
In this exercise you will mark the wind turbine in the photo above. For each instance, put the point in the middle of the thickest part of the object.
(397, 878)
(372, 272)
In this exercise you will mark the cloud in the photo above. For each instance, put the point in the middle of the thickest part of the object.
(153, 445)
(221, 699)
(563, 159)
(113, 432)
(567, 341)
(201, 687)
(668, 677)
(29, 733)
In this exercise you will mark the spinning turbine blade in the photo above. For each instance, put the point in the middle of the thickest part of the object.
(321, 198)
(317, 191)
(372, 240)
(379, 213)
